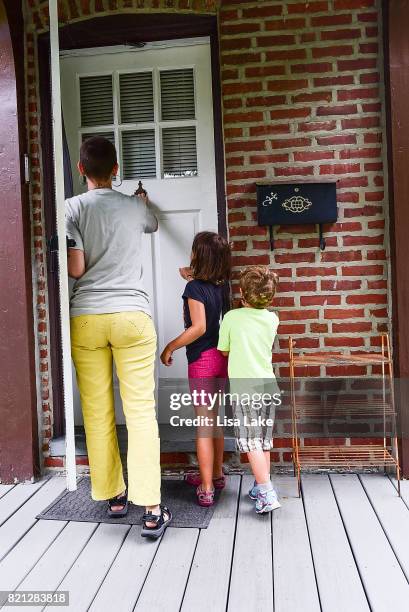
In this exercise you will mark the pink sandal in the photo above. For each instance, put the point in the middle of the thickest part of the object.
(193, 478)
(204, 498)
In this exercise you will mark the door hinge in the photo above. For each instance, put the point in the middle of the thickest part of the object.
(26, 168)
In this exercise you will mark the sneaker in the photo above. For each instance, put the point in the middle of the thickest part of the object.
(267, 501)
(204, 498)
(254, 491)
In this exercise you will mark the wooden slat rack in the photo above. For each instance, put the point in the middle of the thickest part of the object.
(342, 456)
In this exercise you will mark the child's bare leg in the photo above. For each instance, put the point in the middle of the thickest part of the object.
(258, 465)
(267, 456)
(205, 457)
(218, 446)
(205, 450)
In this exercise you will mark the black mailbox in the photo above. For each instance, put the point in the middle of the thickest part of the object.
(295, 204)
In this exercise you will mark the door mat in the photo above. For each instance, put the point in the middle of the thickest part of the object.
(176, 494)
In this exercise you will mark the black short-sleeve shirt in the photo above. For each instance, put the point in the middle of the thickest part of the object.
(211, 297)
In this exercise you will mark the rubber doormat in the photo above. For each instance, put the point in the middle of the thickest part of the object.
(176, 494)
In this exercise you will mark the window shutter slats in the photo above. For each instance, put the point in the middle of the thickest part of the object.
(179, 151)
(96, 99)
(136, 97)
(177, 94)
(138, 154)
(108, 135)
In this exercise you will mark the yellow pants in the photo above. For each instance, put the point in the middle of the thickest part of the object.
(128, 339)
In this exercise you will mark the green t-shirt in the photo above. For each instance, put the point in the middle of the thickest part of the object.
(248, 334)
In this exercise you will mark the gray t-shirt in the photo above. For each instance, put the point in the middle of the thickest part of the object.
(108, 227)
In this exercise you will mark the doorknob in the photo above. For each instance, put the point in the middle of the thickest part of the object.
(140, 190)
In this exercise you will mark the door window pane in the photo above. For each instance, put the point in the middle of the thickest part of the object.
(96, 98)
(179, 152)
(136, 97)
(138, 154)
(177, 94)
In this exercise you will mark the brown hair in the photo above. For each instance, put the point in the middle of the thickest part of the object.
(258, 286)
(98, 157)
(211, 257)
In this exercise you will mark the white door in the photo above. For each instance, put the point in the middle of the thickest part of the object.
(156, 105)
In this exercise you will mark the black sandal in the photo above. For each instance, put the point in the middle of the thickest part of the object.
(160, 523)
(118, 501)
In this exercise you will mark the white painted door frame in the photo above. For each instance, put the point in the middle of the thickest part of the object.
(70, 465)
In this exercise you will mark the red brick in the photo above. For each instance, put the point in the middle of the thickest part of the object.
(282, 40)
(245, 174)
(344, 95)
(332, 256)
(262, 71)
(374, 196)
(331, 20)
(334, 80)
(245, 117)
(327, 141)
(291, 143)
(369, 298)
(289, 113)
(357, 64)
(245, 230)
(364, 122)
(374, 270)
(346, 109)
(345, 34)
(341, 5)
(294, 258)
(240, 28)
(295, 328)
(287, 85)
(245, 145)
(308, 243)
(269, 159)
(344, 313)
(340, 285)
(241, 88)
(339, 168)
(317, 126)
(232, 44)
(295, 315)
(285, 54)
(369, 77)
(350, 341)
(351, 328)
(352, 181)
(260, 130)
(251, 260)
(307, 7)
(369, 47)
(316, 271)
(368, 17)
(265, 101)
(238, 59)
(285, 24)
(307, 156)
(320, 300)
(311, 68)
(261, 11)
(359, 153)
(364, 211)
(298, 286)
(294, 171)
(315, 96)
(372, 137)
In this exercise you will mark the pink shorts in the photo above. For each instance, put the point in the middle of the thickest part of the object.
(208, 374)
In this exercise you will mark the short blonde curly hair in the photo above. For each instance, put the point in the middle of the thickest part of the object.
(258, 286)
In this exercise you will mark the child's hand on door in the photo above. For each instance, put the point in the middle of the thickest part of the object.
(166, 356)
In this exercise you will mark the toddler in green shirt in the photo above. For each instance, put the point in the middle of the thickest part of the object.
(246, 336)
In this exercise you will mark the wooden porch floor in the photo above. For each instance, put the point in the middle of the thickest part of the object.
(343, 547)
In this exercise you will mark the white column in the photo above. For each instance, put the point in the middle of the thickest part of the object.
(62, 249)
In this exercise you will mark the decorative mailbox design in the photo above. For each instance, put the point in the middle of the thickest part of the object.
(295, 204)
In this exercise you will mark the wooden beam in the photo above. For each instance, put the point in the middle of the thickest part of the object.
(396, 51)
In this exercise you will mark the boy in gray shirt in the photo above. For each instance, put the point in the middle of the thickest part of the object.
(110, 321)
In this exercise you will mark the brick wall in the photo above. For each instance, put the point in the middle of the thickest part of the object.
(302, 96)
